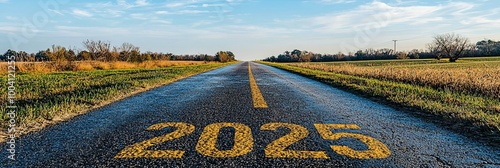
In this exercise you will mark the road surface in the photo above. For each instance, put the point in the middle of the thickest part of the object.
(241, 116)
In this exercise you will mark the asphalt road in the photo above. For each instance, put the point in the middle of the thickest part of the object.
(216, 119)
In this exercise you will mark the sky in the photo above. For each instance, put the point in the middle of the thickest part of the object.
(251, 29)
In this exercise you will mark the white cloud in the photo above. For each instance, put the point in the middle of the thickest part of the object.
(199, 3)
(141, 2)
(336, 1)
(179, 12)
(378, 15)
(11, 18)
(203, 23)
(56, 11)
(235, 1)
(192, 11)
(124, 4)
(86, 31)
(377, 23)
(162, 12)
(16, 27)
(331, 1)
(176, 4)
(138, 3)
(79, 12)
(212, 5)
(9, 29)
(164, 22)
(139, 16)
(108, 9)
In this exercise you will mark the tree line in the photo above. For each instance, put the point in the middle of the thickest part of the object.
(451, 46)
(103, 51)
(225, 56)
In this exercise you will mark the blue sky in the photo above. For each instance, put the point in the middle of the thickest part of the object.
(252, 29)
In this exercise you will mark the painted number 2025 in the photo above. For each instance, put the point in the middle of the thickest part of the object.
(243, 142)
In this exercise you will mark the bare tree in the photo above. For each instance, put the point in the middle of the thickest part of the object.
(91, 48)
(434, 49)
(126, 51)
(222, 56)
(58, 53)
(402, 55)
(452, 46)
(414, 54)
(104, 50)
(98, 50)
(115, 54)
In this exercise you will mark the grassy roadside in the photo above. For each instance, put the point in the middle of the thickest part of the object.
(51, 67)
(468, 114)
(44, 99)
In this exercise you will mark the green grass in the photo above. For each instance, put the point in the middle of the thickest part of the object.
(44, 98)
(476, 115)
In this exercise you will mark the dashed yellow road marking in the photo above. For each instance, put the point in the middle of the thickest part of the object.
(139, 150)
(277, 148)
(258, 99)
(243, 140)
(376, 149)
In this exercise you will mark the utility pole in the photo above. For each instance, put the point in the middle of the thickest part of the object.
(395, 45)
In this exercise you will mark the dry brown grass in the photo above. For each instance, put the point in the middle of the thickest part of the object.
(42, 67)
(123, 65)
(101, 65)
(83, 66)
(48, 67)
(154, 64)
(482, 80)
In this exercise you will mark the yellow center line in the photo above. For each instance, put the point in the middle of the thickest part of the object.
(258, 99)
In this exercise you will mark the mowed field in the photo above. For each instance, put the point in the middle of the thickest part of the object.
(479, 76)
(45, 96)
(465, 94)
